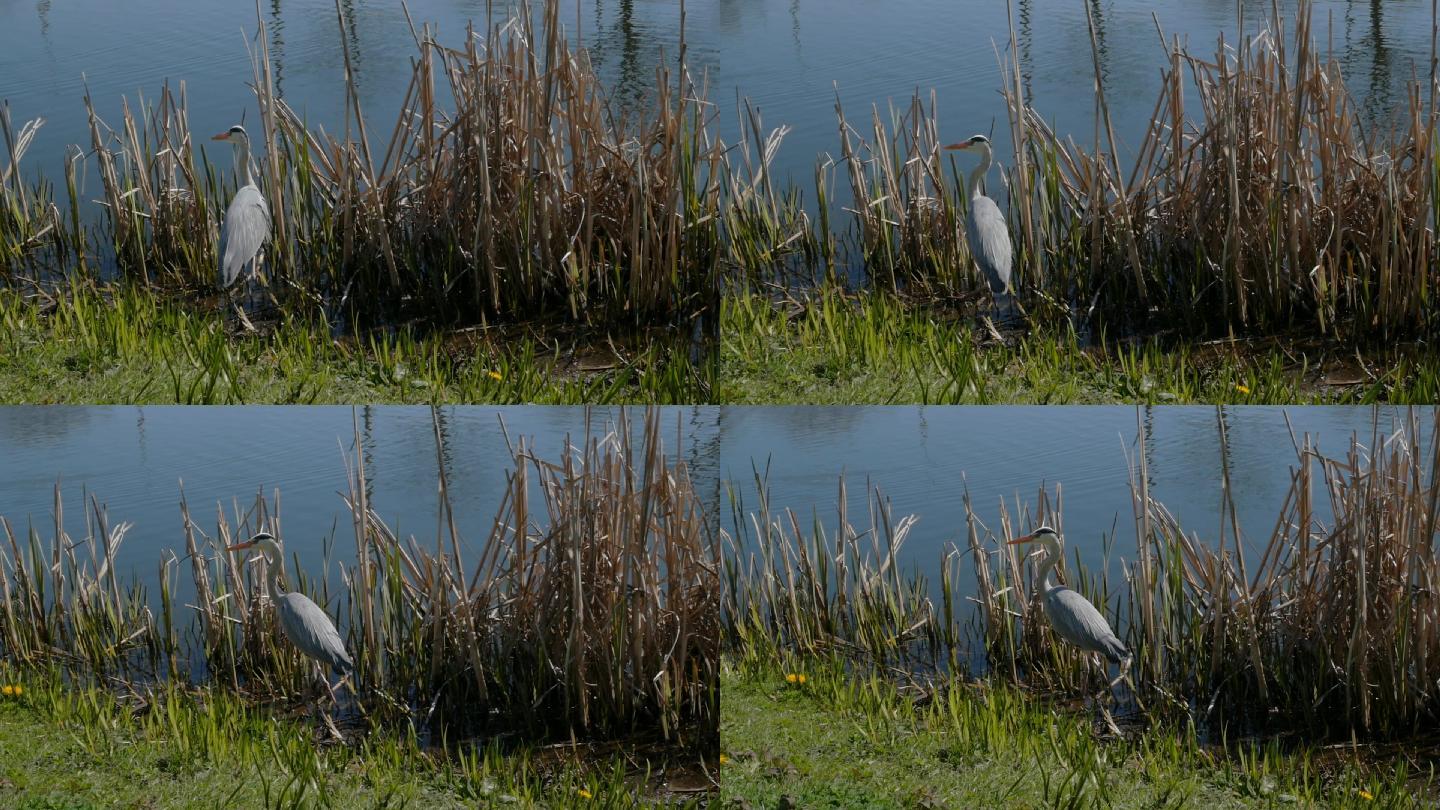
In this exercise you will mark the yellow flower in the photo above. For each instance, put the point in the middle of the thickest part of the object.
(792, 678)
(495, 375)
(724, 760)
(583, 793)
(9, 690)
(1244, 389)
(801, 677)
(1367, 795)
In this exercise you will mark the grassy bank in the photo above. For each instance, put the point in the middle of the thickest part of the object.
(132, 344)
(841, 741)
(74, 749)
(833, 347)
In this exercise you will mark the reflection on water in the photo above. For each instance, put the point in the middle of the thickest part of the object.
(1367, 54)
(621, 37)
(276, 25)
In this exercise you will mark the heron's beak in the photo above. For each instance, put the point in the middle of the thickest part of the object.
(240, 546)
(224, 136)
(961, 145)
(1027, 538)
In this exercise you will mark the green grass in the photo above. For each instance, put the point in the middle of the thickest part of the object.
(872, 348)
(129, 344)
(82, 749)
(841, 740)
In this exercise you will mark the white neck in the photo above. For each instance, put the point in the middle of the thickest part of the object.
(274, 565)
(242, 151)
(986, 158)
(1049, 558)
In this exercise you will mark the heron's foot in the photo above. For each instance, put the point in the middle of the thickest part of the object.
(243, 318)
(334, 701)
(330, 725)
(1110, 723)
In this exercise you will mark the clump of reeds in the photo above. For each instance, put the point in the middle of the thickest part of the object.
(535, 195)
(907, 215)
(820, 592)
(1333, 625)
(768, 234)
(589, 612)
(1328, 625)
(29, 218)
(1270, 208)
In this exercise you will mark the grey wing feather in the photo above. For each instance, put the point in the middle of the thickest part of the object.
(1078, 622)
(989, 240)
(246, 227)
(312, 631)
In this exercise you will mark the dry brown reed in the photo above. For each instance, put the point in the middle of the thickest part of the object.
(29, 219)
(1267, 208)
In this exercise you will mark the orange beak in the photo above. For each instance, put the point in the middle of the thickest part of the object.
(1027, 538)
(961, 145)
(224, 136)
(240, 546)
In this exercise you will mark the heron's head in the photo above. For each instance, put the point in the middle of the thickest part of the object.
(235, 134)
(264, 541)
(972, 142)
(1044, 535)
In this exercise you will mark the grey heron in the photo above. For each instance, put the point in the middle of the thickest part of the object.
(302, 621)
(985, 230)
(247, 219)
(1071, 616)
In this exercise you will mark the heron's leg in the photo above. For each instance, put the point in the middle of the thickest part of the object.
(328, 688)
(324, 715)
(1123, 676)
(1098, 662)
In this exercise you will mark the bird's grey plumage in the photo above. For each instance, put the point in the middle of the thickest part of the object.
(307, 626)
(247, 219)
(246, 227)
(1077, 621)
(989, 243)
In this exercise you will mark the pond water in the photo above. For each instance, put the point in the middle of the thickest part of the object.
(924, 460)
(134, 460)
(792, 58)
